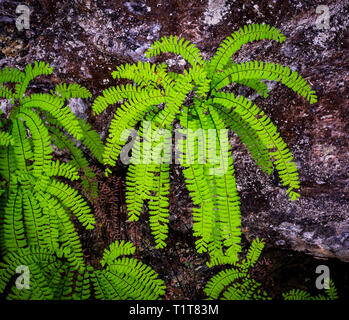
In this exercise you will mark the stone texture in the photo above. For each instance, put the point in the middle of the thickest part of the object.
(85, 40)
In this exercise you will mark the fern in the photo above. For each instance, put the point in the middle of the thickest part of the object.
(37, 207)
(194, 101)
(52, 277)
(297, 294)
(236, 283)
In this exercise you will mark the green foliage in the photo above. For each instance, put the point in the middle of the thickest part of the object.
(52, 277)
(236, 283)
(297, 294)
(197, 101)
(36, 205)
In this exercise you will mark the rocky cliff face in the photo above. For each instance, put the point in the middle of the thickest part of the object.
(84, 40)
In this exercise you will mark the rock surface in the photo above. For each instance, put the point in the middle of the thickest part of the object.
(84, 40)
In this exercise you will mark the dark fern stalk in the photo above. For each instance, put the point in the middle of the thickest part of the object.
(199, 99)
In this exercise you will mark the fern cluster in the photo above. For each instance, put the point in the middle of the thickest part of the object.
(297, 294)
(37, 202)
(199, 101)
(40, 210)
(237, 283)
(52, 277)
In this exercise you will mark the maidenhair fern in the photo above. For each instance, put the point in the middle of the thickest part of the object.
(52, 277)
(36, 205)
(199, 101)
(297, 294)
(237, 283)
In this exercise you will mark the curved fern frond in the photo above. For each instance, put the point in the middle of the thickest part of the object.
(30, 73)
(54, 105)
(258, 70)
(188, 51)
(144, 74)
(236, 283)
(116, 250)
(126, 278)
(42, 150)
(64, 170)
(114, 95)
(216, 285)
(267, 132)
(126, 116)
(248, 136)
(67, 91)
(72, 200)
(92, 140)
(249, 33)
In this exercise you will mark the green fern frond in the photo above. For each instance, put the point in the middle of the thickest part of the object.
(114, 95)
(13, 229)
(22, 147)
(266, 132)
(248, 289)
(6, 139)
(92, 140)
(72, 200)
(297, 294)
(216, 285)
(126, 116)
(30, 73)
(64, 170)
(7, 163)
(253, 254)
(248, 136)
(236, 283)
(55, 106)
(42, 150)
(10, 75)
(172, 44)
(126, 278)
(6, 93)
(144, 74)
(249, 33)
(67, 91)
(258, 70)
